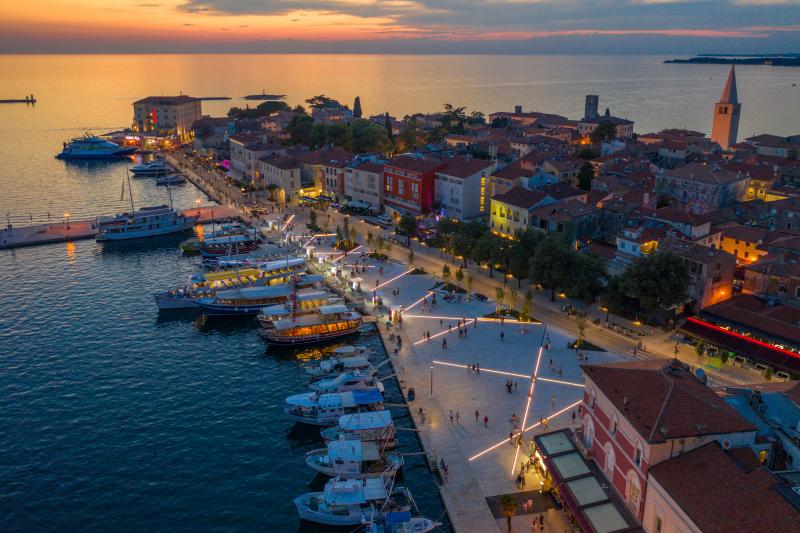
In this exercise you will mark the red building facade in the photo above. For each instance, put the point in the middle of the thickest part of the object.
(409, 184)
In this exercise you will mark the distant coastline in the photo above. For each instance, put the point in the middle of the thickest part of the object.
(775, 60)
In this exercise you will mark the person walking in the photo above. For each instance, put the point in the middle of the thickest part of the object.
(502, 336)
(444, 344)
(485, 421)
(477, 415)
(451, 417)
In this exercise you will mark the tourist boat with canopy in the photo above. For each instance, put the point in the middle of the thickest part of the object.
(226, 230)
(171, 179)
(248, 301)
(374, 426)
(308, 302)
(354, 459)
(329, 322)
(153, 168)
(206, 284)
(318, 409)
(237, 244)
(351, 502)
(144, 222)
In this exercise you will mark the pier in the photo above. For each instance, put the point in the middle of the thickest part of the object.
(74, 230)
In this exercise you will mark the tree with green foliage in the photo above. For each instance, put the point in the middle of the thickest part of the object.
(500, 122)
(339, 235)
(657, 281)
(357, 107)
(500, 297)
(462, 246)
(407, 227)
(387, 246)
(460, 275)
(261, 110)
(548, 264)
(387, 125)
(312, 218)
(580, 325)
(476, 117)
(525, 315)
(446, 274)
(587, 153)
(470, 281)
(604, 131)
(370, 241)
(321, 102)
(585, 274)
(368, 137)
(299, 129)
(485, 251)
(700, 350)
(513, 293)
(410, 259)
(379, 243)
(520, 263)
(509, 506)
(585, 176)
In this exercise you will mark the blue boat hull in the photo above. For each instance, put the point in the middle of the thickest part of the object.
(116, 155)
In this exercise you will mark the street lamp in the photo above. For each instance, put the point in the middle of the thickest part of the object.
(431, 379)
(198, 201)
(66, 216)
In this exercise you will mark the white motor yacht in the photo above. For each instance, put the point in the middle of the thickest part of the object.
(318, 409)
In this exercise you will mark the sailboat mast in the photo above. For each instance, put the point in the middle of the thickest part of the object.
(130, 191)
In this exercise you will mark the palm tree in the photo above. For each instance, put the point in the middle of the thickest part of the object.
(580, 323)
(513, 292)
(446, 275)
(411, 259)
(500, 295)
(470, 281)
(509, 509)
(370, 241)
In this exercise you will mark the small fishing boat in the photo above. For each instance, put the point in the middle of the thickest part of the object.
(400, 522)
(374, 426)
(351, 502)
(350, 380)
(329, 322)
(171, 179)
(153, 168)
(318, 409)
(334, 365)
(353, 459)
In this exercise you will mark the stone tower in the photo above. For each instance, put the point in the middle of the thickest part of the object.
(590, 108)
(726, 114)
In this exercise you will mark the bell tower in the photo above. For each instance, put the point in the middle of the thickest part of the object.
(726, 114)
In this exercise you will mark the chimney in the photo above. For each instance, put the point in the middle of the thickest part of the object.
(517, 109)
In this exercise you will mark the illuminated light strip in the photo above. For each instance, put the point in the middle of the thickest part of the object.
(345, 254)
(393, 279)
(537, 424)
(550, 380)
(416, 303)
(530, 396)
(479, 319)
(489, 370)
(440, 334)
(745, 338)
(287, 223)
(318, 235)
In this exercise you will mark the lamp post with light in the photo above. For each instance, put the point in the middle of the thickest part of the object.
(66, 216)
(198, 201)
(431, 379)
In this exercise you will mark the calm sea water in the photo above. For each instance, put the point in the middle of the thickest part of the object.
(114, 419)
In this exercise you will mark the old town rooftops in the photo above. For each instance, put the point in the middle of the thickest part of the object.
(662, 400)
(727, 490)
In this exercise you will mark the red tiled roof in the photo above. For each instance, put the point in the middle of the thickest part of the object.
(662, 400)
(463, 167)
(521, 197)
(371, 167)
(166, 100)
(512, 171)
(745, 233)
(564, 210)
(776, 321)
(413, 164)
(722, 492)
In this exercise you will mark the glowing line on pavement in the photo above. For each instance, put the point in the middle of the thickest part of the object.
(345, 254)
(287, 223)
(479, 319)
(537, 424)
(489, 370)
(530, 397)
(394, 278)
(440, 334)
(416, 303)
(318, 235)
(550, 380)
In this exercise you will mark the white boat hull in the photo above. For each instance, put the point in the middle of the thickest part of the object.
(141, 234)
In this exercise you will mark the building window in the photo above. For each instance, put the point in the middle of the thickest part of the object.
(781, 287)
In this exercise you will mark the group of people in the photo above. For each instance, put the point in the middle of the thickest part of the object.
(454, 417)
(474, 368)
(478, 418)
(511, 386)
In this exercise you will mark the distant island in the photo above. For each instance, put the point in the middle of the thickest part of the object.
(775, 60)
(214, 98)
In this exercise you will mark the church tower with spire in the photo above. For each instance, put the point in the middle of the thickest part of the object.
(726, 114)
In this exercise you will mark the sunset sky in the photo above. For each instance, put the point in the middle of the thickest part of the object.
(414, 26)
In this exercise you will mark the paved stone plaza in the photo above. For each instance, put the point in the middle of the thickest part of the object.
(463, 443)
